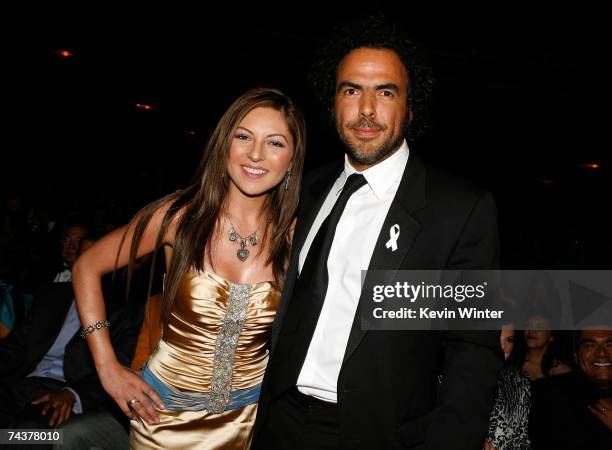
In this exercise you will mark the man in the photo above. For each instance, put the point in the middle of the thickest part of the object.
(47, 374)
(70, 242)
(331, 384)
(108, 428)
(574, 410)
(56, 267)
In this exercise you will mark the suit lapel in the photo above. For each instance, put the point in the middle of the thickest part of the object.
(410, 197)
(311, 203)
(48, 314)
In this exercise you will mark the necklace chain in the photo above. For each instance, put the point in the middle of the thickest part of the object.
(243, 253)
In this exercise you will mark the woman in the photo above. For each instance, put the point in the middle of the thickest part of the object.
(226, 240)
(510, 415)
(542, 354)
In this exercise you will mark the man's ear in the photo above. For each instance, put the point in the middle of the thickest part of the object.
(410, 115)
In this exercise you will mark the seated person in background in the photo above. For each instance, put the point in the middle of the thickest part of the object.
(108, 428)
(8, 302)
(7, 309)
(46, 370)
(510, 414)
(55, 264)
(574, 410)
(542, 356)
(70, 242)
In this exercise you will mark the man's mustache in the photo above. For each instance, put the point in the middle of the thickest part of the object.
(367, 123)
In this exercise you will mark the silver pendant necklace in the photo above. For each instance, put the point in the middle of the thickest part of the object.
(242, 253)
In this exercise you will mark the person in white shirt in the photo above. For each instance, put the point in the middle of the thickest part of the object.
(70, 242)
(47, 376)
(331, 383)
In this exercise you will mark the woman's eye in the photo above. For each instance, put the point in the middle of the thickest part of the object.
(277, 144)
(241, 136)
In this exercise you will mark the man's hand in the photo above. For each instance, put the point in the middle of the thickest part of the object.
(602, 409)
(61, 402)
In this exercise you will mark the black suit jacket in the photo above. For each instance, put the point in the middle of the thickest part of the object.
(28, 343)
(560, 418)
(387, 388)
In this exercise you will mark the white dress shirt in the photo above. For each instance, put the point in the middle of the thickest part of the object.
(64, 275)
(350, 253)
(52, 364)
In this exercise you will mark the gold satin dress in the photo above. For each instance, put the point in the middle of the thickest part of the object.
(197, 354)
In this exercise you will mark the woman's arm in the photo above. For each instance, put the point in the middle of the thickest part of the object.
(120, 383)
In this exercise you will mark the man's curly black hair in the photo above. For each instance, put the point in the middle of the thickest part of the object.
(376, 32)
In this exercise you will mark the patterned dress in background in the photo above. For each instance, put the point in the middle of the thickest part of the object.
(510, 415)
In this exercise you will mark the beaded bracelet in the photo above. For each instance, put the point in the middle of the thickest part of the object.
(94, 327)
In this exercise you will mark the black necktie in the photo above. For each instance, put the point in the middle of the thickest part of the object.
(311, 286)
(313, 277)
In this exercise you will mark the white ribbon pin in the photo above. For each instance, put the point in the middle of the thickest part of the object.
(394, 233)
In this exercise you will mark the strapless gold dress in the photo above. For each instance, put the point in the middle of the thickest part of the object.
(214, 343)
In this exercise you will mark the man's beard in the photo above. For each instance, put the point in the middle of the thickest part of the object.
(377, 154)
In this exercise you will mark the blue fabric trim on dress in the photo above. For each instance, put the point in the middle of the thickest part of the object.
(176, 400)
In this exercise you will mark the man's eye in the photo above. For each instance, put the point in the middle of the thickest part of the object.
(587, 345)
(386, 93)
(350, 91)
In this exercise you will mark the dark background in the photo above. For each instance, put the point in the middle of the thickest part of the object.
(518, 106)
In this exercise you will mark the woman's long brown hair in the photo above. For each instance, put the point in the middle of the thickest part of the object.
(201, 203)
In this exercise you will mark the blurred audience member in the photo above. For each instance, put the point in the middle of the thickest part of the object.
(7, 294)
(542, 355)
(47, 373)
(108, 428)
(574, 410)
(510, 415)
(70, 242)
(7, 309)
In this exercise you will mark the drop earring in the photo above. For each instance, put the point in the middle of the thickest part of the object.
(287, 178)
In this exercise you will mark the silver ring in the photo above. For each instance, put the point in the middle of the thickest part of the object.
(131, 402)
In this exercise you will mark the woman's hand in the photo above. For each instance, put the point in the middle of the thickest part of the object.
(132, 393)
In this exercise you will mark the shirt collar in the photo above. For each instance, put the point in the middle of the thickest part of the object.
(381, 176)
